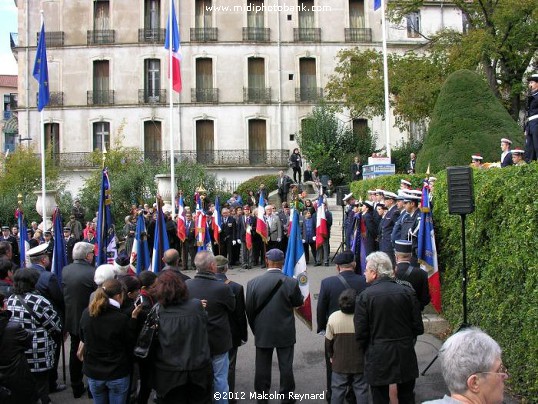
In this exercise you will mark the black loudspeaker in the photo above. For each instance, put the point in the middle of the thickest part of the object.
(341, 191)
(460, 190)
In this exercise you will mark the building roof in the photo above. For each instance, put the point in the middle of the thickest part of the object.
(7, 80)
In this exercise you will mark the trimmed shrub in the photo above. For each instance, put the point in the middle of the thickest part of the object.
(253, 184)
(388, 183)
(467, 119)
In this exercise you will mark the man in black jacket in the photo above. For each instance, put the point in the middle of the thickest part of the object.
(417, 277)
(271, 298)
(78, 285)
(238, 320)
(228, 236)
(171, 262)
(220, 303)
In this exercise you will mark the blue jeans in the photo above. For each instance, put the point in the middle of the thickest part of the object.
(109, 391)
(340, 382)
(221, 363)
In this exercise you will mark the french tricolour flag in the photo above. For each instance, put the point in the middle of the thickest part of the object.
(200, 220)
(216, 224)
(176, 48)
(261, 224)
(321, 223)
(181, 230)
(295, 266)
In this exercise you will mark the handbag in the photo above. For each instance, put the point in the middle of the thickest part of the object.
(147, 334)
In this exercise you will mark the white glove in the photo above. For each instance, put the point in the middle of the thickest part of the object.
(278, 240)
(304, 241)
(322, 333)
(233, 242)
(314, 238)
(238, 241)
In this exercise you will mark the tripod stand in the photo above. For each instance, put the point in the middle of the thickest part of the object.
(342, 245)
(464, 324)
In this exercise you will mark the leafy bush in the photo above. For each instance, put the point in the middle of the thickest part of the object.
(253, 184)
(502, 238)
(400, 154)
(467, 119)
(388, 182)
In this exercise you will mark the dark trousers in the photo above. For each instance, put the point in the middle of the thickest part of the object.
(188, 248)
(262, 376)
(226, 249)
(53, 376)
(75, 366)
(232, 356)
(406, 394)
(297, 174)
(283, 196)
(313, 249)
(144, 370)
(42, 385)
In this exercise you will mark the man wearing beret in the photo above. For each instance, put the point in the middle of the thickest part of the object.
(271, 298)
(330, 291)
(531, 123)
(417, 277)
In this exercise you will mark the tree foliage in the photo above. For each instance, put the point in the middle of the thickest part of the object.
(467, 119)
(330, 145)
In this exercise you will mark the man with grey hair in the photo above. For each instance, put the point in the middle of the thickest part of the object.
(387, 322)
(78, 285)
(472, 368)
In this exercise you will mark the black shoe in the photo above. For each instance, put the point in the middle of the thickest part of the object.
(317, 264)
(57, 388)
(326, 264)
(79, 391)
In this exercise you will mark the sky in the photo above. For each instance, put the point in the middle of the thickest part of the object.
(8, 23)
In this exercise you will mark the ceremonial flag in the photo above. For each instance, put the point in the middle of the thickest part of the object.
(23, 237)
(181, 231)
(140, 251)
(200, 220)
(176, 50)
(295, 267)
(261, 224)
(41, 72)
(377, 4)
(59, 255)
(106, 237)
(322, 231)
(248, 233)
(427, 251)
(160, 241)
(216, 223)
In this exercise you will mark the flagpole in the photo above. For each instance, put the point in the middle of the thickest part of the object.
(171, 112)
(385, 79)
(42, 120)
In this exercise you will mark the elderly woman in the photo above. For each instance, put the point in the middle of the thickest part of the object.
(108, 336)
(182, 367)
(37, 316)
(472, 368)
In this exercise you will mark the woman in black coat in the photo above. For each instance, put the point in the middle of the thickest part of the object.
(296, 163)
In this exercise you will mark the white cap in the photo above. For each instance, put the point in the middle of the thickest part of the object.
(432, 179)
(405, 182)
(517, 151)
(505, 140)
(477, 157)
(38, 250)
(390, 195)
(346, 197)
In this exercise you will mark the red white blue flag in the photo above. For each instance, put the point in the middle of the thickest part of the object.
(173, 35)
(261, 224)
(322, 231)
(181, 230)
(216, 223)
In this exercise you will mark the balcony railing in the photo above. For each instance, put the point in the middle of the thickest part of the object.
(220, 158)
(257, 95)
(308, 94)
(255, 34)
(101, 37)
(204, 34)
(151, 96)
(210, 95)
(358, 34)
(307, 34)
(53, 38)
(56, 98)
(101, 97)
(151, 35)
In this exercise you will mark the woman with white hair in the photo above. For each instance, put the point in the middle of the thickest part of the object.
(103, 273)
(472, 368)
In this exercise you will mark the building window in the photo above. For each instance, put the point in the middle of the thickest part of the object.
(417, 130)
(256, 90)
(152, 81)
(202, 14)
(204, 91)
(101, 83)
(257, 141)
(101, 16)
(413, 24)
(52, 138)
(466, 24)
(101, 134)
(356, 13)
(306, 13)
(152, 141)
(255, 18)
(360, 128)
(152, 14)
(204, 141)
(308, 90)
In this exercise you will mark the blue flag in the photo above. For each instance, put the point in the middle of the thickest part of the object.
(106, 236)
(41, 71)
(59, 255)
(23, 237)
(160, 241)
(377, 4)
(140, 252)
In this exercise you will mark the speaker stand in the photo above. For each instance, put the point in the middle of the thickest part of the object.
(464, 324)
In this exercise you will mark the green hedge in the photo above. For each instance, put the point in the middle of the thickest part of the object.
(253, 184)
(502, 251)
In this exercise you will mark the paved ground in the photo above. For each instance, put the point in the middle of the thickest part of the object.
(309, 363)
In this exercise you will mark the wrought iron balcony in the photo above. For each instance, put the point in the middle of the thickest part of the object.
(257, 95)
(101, 97)
(151, 96)
(151, 35)
(307, 34)
(308, 94)
(53, 38)
(101, 37)
(204, 34)
(56, 98)
(358, 34)
(255, 34)
(220, 158)
(209, 95)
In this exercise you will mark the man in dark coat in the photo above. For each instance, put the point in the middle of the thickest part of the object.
(7, 236)
(78, 285)
(506, 155)
(531, 121)
(228, 235)
(220, 303)
(411, 221)
(171, 262)
(387, 225)
(283, 186)
(356, 169)
(330, 291)
(188, 247)
(69, 244)
(417, 277)
(387, 322)
(271, 298)
(238, 320)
